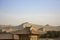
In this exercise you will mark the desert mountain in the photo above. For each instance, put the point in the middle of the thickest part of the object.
(33, 26)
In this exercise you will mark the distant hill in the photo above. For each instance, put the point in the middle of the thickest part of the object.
(9, 28)
(52, 28)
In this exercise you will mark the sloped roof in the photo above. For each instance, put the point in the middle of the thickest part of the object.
(23, 31)
(26, 31)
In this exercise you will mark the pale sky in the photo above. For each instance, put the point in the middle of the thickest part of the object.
(15, 12)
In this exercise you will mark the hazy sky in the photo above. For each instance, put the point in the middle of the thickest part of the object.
(15, 12)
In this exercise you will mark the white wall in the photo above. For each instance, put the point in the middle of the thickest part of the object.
(34, 37)
(16, 36)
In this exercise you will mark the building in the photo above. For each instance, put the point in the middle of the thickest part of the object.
(6, 36)
(26, 34)
(0, 30)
